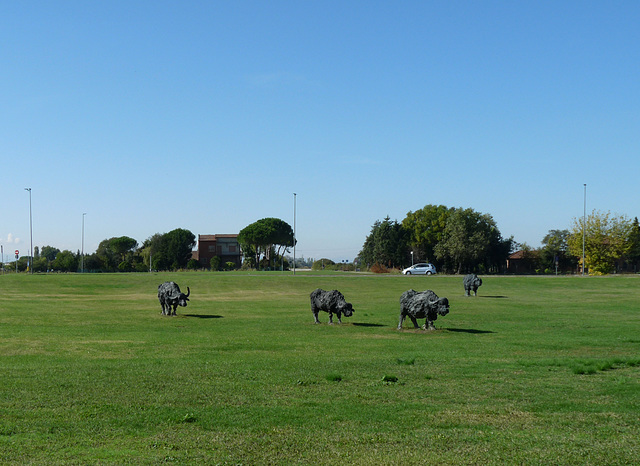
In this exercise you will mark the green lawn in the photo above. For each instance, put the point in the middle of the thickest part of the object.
(535, 370)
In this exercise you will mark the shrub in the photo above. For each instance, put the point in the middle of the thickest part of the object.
(141, 267)
(193, 264)
(323, 264)
(215, 263)
(40, 264)
(379, 268)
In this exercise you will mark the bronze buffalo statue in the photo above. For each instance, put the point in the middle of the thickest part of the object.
(471, 282)
(171, 297)
(332, 302)
(422, 305)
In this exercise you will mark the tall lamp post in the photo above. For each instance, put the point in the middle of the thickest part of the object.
(82, 253)
(294, 233)
(584, 227)
(30, 231)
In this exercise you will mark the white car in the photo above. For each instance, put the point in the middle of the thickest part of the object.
(420, 269)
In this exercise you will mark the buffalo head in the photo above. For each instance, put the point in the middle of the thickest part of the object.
(441, 306)
(183, 298)
(347, 310)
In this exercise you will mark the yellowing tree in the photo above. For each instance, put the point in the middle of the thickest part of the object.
(605, 240)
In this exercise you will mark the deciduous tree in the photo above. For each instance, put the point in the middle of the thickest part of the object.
(107, 256)
(425, 228)
(49, 252)
(169, 251)
(605, 240)
(555, 249)
(179, 247)
(467, 240)
(65, 261)
(633, 242)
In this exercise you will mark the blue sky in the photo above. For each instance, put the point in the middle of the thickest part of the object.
(155, 115)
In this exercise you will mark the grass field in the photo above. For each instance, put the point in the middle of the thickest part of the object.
(535, 370)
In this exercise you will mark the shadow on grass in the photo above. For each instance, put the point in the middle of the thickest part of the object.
(203, 316)
(492, 297)
(466, 330)
(362, 324)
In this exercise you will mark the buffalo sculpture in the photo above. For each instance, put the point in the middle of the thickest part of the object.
(422, 305)
(171, 297)
(471, 282)
(332, 302)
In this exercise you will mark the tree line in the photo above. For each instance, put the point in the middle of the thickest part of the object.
(611, 243)
(264, 244)
(458, 240)
(162, 251)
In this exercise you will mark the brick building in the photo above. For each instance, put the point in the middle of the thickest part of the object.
(226, 247)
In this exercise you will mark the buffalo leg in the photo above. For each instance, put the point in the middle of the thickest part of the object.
(315, 315)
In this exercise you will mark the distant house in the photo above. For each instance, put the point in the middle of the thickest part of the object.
(519, 263)
(226, 247)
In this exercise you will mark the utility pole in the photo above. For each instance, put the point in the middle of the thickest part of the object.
(82, 253)
(584, 227)
(294, 233)
(30, 231)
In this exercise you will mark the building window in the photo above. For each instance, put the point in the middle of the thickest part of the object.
(232, 248)
(212, 248)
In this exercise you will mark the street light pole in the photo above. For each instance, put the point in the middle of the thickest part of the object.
(294, 233)
(30, 231)
(584, 227)
(82, 253)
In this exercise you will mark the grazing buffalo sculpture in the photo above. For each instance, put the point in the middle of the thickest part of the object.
(471, 283)
(332, 302)
(421, 305)
(171, 297)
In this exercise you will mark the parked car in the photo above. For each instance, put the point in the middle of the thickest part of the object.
(420, 269)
